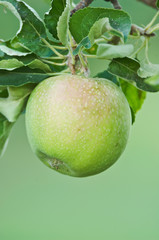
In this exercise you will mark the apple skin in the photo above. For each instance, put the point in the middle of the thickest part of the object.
(78, 126)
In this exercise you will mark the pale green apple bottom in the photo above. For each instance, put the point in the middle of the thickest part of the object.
(78, 126)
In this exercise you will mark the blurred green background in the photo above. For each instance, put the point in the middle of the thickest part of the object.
(37, 203)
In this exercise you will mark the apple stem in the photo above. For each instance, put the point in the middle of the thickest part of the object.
(70, 47)
(71, 58)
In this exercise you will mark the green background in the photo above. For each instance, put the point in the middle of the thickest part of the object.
(37, 203)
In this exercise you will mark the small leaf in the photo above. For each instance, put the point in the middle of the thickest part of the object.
(52, 17)
(86, 18)
(108, 51)
(134, 96)
(10, 64)
(85, 43)
(157, 3)
(15, 44)
(32, 62)
(98, 29)
(92, 50)
(5, 128)
(12, 106)
(37, 64)
(7, 48)
(127, 69)
(63, 25)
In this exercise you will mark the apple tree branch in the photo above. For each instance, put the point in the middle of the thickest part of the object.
(151, 3)
(115, 3)
(80, 5)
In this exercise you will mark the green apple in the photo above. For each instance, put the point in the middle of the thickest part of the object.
(78, 126)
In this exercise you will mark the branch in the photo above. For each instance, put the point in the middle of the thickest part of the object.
(151, 3)
(142, 32)
(115, 3)
(80, 5)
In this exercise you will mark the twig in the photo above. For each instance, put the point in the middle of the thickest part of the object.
(115, 3)
(151, 3)
(80, 5)
(141, 31)
(72, 65)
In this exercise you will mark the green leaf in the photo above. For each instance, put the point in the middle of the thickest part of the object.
(21, 77)
(10, 64)
(134, 96)
(148, 69)
(13, 48)
(157, 3)
(38, 64)
(92, 50)
(52, 17)
(108, 76)
(85, 43)
(12, 106)
(137, 44)
(5, 128)
(15, 44)
(32, 30)
(32, 62)
(127, 69)
(98, 29)
(86, 18)
(63, 25)
(1, 54)
(108, 51)
(12, 103)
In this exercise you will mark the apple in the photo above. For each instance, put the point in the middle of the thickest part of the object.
(78, 126)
